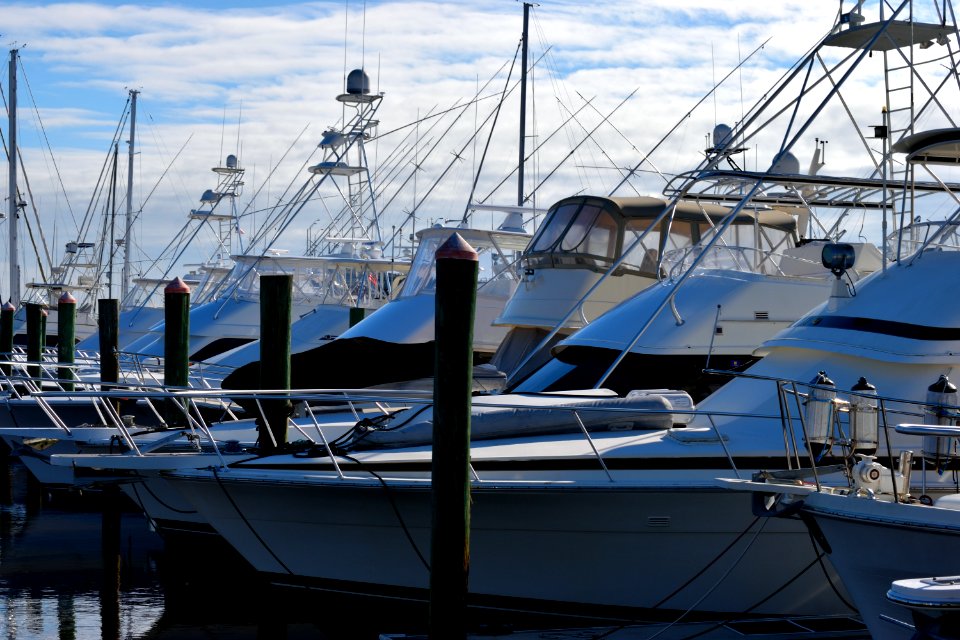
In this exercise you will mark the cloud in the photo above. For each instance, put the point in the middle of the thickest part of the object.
(233, 79)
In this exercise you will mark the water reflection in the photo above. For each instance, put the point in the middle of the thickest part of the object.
(60, 578)
(86, 567)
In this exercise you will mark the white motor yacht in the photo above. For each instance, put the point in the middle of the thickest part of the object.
(618, 517)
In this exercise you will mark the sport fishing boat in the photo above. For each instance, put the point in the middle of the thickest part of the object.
(599, 490)
(897, 488)
(395, 344)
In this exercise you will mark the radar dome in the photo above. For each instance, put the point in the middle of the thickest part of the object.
(358, 82)
(722, 136)
(787, 165)
(231, 161)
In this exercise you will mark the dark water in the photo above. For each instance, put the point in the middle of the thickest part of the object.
(79, 567)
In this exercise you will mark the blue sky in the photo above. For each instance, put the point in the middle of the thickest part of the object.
(262, 72)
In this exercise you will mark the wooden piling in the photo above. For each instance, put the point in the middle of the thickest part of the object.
(176, 344)
(357, 314)
(108, 325)
(66, 338)
(36, 339)
(276, 304)
(457, 268)
(7, 312)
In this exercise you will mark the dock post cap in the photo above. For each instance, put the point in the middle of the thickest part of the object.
(177, 285)
(67, 298)
(456, 248)
(8, 306)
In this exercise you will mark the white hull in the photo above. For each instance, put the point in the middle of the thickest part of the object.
(874, 543)
(597, 547)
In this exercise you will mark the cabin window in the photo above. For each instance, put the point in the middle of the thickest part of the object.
(594, 232)
(554, 226)
(423, 271)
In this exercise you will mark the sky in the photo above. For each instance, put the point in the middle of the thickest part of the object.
(259, 80)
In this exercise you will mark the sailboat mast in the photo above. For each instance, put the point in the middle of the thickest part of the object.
(523, 102)
(127, 242)
(14, 198)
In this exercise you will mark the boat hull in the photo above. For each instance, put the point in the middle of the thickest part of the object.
(874, 543)
(604, 550)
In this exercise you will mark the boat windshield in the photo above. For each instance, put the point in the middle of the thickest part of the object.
(325, 280)
(589, 232)
(945, 235)
(497, 262)
(745, 246)
(582, 232)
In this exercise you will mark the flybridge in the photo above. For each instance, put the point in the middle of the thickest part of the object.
(798, 190)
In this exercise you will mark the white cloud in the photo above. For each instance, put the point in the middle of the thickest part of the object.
(277, 69)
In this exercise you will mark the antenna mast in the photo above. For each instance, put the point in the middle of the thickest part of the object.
(125, 283)
(523, 102)
(14, 197)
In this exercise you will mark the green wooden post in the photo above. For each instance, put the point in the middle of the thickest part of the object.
(276, 304)
(7, 312)
(357, 314)
(66, 337)
(108, 325)
(176, 343)
(35, 337)
(456, 299)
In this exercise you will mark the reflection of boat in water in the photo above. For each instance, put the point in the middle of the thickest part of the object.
(61, 576)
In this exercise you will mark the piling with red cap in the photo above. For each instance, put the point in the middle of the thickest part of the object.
(456, 300)
(176, 342)
(66, 338)
(36, 337)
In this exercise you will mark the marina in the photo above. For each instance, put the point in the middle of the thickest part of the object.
(717, 407)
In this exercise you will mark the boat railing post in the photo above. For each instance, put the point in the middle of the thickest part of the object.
(456, 298)
(323, 438)
(593, 446)
(806, 440)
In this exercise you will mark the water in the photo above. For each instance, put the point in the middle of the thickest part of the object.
(60, 577)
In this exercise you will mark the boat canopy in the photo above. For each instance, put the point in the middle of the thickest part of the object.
(323, 279)
(937, 146)
(497, 251)
(593, 232)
